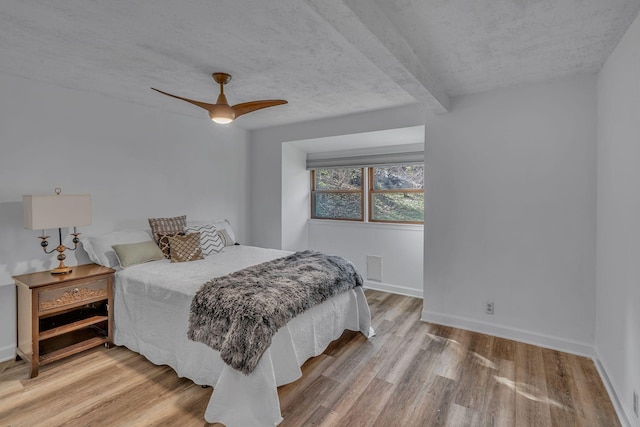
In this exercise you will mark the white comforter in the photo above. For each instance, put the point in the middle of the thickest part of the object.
(151, 314)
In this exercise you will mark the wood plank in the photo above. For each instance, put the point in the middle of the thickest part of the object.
(530, 388)
(476, 370)
(406, 405)
(441, 397)
(500, 411)
(305, 402)
(70, 327)
(366, 410)
(559, 381)
(590, 388)
(72, 349)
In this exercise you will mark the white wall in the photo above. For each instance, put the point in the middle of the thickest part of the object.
(295, 196)
(401, 248)
(280, 209)
(510, 213)
(266, 160)
(617, 340)
(136, 162)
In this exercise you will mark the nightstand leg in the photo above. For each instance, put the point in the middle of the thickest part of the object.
(34, 370)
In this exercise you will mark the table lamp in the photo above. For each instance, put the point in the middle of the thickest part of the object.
(57, 211)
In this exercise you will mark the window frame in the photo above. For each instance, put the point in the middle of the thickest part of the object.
(314, 191)
(371, 191)
(366, 192)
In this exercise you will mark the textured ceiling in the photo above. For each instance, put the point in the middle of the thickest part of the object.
(479, 45)
(326, 57)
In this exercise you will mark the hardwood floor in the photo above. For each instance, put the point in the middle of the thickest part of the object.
(410, 374)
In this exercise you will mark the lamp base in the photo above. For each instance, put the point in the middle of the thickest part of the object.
(62, 270)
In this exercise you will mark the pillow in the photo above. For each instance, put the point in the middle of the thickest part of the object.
(225, 232)
(224, 229)
(163, 243)
(185, 248)
(99, 247)
(137, 253)
(172, 225)
(210, 241)
(226, 238)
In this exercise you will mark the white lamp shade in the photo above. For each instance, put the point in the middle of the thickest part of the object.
(56, 211)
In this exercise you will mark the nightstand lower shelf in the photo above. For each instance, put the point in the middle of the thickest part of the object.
(71, 343)
(72, 320)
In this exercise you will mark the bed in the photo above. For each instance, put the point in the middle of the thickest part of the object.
(151, 315)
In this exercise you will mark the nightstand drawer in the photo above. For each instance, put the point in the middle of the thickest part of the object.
(72, 295)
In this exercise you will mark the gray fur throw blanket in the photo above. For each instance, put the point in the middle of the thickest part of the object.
(238, 314)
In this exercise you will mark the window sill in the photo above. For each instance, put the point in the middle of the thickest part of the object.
(360, 224)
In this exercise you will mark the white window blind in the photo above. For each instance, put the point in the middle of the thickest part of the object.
(365, 159)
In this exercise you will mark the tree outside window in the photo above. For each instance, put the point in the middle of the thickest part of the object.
(337, 193)
(394, 193)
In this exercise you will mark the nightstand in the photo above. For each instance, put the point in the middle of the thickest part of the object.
(63, 314)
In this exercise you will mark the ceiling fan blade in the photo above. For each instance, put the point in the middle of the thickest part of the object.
(248, 107)
(204, 105)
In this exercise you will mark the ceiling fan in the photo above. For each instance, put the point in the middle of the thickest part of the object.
(221, 112)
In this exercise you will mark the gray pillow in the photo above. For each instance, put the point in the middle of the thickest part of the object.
(137, 253)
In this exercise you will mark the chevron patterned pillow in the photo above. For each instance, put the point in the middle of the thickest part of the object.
(210, 241)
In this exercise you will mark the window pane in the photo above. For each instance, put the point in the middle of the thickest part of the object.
(408, 207)
(338, 179)
(398, 177)
(338, 205)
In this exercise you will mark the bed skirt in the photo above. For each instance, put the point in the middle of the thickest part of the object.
(158, 331)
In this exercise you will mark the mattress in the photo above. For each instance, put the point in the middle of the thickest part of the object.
(151, 313)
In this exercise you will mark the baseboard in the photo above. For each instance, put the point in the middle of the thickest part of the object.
(394, 289)
(624, 417)
(541, 340)
(7, 353)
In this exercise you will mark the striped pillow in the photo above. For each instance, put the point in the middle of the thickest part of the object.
(227, 240)
(210, 241)
(172, 225)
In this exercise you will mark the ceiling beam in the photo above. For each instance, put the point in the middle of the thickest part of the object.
(363, 24)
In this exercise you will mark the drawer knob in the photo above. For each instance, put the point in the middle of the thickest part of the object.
(76, 291)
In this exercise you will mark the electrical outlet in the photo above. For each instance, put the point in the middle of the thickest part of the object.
(635, 403)
(489, 308)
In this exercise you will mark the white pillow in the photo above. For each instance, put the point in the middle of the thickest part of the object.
(210, 241)
(225, 232)
(99, 247)
(223, 226)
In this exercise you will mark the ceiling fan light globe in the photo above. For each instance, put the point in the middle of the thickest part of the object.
(222, 114)
(221, 120)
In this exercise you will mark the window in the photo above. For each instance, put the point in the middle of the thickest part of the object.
(337, 193)
(394, 193)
